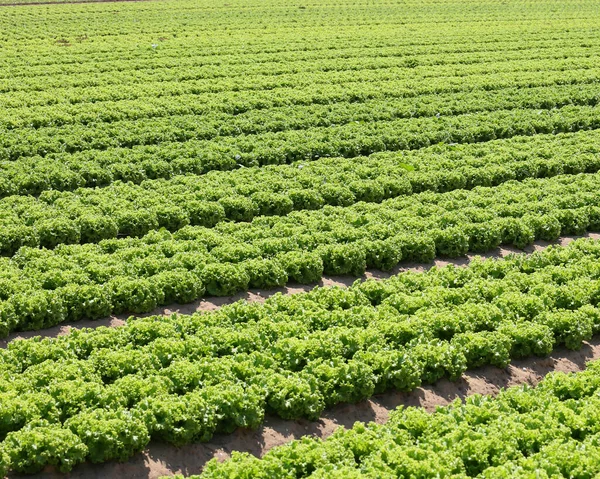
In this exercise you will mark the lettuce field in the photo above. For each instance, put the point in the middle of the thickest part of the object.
(160, 153)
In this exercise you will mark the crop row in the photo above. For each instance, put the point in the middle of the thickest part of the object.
(548, 431)
(90, 105)
(40, 287)
(100, 58)
(101, 394)
(201, 78)
(354, 60)
(341, 40)
(248, 24)
(38, 2)
(95, 167)
(91, 215)
(262, 50)
(255, 118)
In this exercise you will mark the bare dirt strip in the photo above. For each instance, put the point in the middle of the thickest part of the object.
(163, 459)
(212, 303)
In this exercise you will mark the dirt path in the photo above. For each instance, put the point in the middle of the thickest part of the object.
(163, 459)
(212, 303)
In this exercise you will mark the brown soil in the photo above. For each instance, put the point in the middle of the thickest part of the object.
(212, 303)
(162, 459)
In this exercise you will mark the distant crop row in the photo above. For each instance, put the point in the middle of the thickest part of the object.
(93, 105)
(101, 59)
(91, 215)
(246, 111)
(172, 76)
(432, 47)
(252, 119)
(26, 2)
(45, 287)
(100, 167)
(242, 24)
(102, 394)
(127, 52)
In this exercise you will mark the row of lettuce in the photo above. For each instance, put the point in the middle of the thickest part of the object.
(174, 62)
(42, 287)
(237, 24)
(67, 171)
(230, 95)
(226, 52)
(102, 394)
(543, 432)
(223, 127)
(124, 209)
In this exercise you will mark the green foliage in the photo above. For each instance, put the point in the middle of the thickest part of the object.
(272, 203)
(136, 295)
(452, 242)
(546, 227)
(225, 279)
(239, 208)
(178, 286)
(523, 432)
(570, 328)
(205, 213)
(573, 221)
(485, 348)
(265, 273)
(58, 231)
(179, 419)
(517, 232)
(438, 360)
(368, 190)
(109, 435)
(306, 244)
(12, 238)
(393, 370)
(184, 378)
(342, 382)
(172, 218)
(85, 301)
(8, 318)
(38, 309)
(179, 169)
(528, 339)
(483, 237)
(337, 195)
(30, 449)
(293, 396)
(306, 199)
(95, 228)
(302, 267)
(418, 248)
(383, 255)
(344, 259)
(136, 223)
